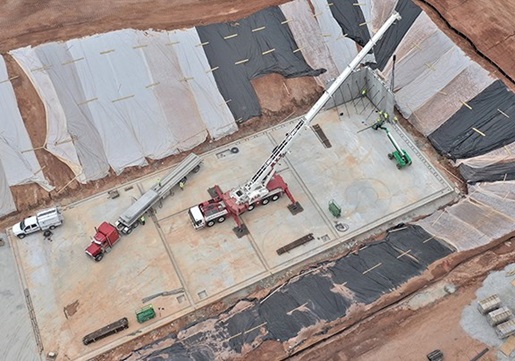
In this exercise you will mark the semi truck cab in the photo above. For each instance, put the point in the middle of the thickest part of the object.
(105, 238)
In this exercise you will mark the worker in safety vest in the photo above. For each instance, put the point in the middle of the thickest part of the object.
(182, 183)
(383, 117)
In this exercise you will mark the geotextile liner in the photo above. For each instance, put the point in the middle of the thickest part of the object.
(490, 173)
(386, 46)
(307, 301)
(351, 20)
(484, 124)
(240, 51)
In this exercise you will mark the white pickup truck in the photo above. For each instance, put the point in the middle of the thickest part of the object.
(45, 220)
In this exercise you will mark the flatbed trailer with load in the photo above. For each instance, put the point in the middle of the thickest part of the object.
(129, 219)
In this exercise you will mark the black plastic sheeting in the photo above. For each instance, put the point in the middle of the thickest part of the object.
(387, 45)
(492, 173)
(351, 20)
(472, 132)
(233, 80)
(321, 296)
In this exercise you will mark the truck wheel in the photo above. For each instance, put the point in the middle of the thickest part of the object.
(99, 257)
(21, 235)
(52, 228)
(210, 223)
(390, 156)
(196, 169)
(265, 201)
(251, 207)
(275, 197)
(129, 231)
(221, 219)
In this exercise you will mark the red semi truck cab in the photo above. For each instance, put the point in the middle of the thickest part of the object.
(105, 238)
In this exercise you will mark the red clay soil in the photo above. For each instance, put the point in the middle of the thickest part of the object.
(490, 25)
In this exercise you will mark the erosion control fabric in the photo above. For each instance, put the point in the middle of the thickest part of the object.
(351, 20)
(484, 124)
(492, 173)
(386, 46)
(321, 296)
(248, 48)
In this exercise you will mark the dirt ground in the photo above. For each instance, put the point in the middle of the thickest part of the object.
(489, 26)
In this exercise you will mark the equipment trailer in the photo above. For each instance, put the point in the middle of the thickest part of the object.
(265, 185)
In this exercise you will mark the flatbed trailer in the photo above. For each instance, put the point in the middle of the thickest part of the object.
(130, 219)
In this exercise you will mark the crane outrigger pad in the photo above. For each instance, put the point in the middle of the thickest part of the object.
(295, 208)
(241, 231)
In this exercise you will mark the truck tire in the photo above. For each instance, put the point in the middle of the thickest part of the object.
(20, 236)
(51, 228)
(99, 257)
(275, 197)
(129, 231)
(196, 169)
(210, 223)
(265, 201)
(251, 207)
(220, 219)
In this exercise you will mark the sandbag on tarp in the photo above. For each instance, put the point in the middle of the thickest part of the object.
(351, 20)
(491, 173)
(248, 48)
(484, 127)
(386, 46)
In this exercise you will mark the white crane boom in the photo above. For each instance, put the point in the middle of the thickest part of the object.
(256, 186)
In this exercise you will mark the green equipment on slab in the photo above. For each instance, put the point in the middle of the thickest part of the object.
(335, 209)
(400, 155)
(146, 313)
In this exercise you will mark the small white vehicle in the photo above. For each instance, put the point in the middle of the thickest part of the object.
(45, 220)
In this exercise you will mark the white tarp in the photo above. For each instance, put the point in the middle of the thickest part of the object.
(484, 216)
(341, 48)
(309, 39)
(6, 198)
(120, 97)
(194, 65)
(470, 82)
(380, 11)
(427, 61)
(19, 164)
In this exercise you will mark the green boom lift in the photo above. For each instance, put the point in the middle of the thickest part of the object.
(400, 155)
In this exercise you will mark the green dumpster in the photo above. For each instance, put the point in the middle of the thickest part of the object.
(146, 313)
(335, 209)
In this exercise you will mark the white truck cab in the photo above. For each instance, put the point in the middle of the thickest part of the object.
(42, 221)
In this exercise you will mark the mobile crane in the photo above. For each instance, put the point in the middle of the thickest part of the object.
(266, 185)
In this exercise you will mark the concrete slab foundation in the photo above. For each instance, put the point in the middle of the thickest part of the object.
(73, 295)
